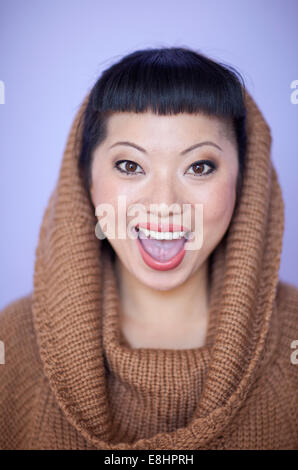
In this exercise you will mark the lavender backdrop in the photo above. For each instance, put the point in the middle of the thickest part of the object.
(51, 53)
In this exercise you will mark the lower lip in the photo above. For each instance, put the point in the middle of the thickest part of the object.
(154, 264)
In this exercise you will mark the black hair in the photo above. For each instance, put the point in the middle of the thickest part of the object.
(166, 81)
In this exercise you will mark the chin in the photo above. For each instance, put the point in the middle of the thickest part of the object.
(165, 280)
(161, 281)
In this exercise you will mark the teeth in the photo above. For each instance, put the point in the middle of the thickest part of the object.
(162, 235)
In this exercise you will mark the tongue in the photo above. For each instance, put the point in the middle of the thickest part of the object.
(162, 250)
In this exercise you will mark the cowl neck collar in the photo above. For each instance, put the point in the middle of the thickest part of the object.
(76, 303)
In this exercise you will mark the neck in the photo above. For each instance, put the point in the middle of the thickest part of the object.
(180, 309)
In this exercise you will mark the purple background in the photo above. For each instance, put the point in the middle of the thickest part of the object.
(51, 53)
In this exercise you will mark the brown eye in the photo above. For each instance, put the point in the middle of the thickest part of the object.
(128, 167)
(199, 168)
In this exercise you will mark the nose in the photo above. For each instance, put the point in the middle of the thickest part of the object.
(162, 196)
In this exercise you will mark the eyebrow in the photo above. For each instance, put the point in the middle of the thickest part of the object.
(200, 144)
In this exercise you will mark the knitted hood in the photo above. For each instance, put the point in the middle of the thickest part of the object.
(74, 283)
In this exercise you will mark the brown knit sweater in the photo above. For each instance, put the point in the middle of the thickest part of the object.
(69, 379)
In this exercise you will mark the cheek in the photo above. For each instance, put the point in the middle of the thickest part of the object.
(220, 203)
(104, 197)
(106, 192)
(218, 206)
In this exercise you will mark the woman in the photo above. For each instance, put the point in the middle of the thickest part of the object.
(137, 342)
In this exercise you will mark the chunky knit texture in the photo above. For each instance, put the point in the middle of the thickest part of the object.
(70, 381)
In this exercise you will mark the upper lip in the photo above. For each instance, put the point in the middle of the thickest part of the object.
(162, 227)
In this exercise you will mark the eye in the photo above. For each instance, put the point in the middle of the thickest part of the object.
(128, 168)
(198, 168)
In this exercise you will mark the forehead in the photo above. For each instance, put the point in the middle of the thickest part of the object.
(183, 125)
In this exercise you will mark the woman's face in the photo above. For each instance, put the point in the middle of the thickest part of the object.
(164, 172)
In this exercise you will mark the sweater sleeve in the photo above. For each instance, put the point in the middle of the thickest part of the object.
(20, 372)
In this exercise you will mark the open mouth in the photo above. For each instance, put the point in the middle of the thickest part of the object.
(161, 250)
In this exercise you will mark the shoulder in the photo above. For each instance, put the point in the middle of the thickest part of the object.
(287, 304)
(288, 293)
(18, 308)
(284, 374)
(20, 369)
(274, 396)
(17, 332)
